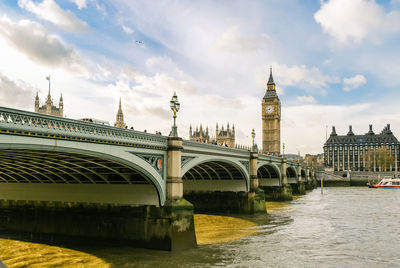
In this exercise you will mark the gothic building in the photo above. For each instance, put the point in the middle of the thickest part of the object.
(49, 107)
(271, 119)
(120, 117)
(368, 152)
(222, 137)
(199, 134)
(225, 137)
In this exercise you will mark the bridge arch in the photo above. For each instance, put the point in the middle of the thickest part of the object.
(269, 174)
(291, 174)
(204, 173)
(68, 174)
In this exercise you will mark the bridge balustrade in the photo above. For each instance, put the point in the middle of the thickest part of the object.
(29, 123)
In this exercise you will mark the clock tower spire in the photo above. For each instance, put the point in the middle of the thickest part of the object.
(271, 119)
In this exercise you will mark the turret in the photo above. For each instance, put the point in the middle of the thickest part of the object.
(370, 131)
(37, 102)
(190, 131)
(350, 133)
(333, 133)
(61, 105)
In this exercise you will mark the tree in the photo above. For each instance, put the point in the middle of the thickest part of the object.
(384, 158)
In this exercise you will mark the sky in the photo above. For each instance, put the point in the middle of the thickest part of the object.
(334, 62)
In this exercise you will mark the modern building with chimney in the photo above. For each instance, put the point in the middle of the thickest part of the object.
(369, 152)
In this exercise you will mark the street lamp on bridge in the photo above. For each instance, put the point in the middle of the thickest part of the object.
(253, 135)
(175, 105)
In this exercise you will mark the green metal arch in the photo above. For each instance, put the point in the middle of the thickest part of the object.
(204, 160)
(137, 164)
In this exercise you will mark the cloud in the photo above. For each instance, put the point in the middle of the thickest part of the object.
(16, 94)
(350, 22)
(127, 29)
(31, 39)
(302, 76)
(80, 3)
(49, 10)
(164, 64)
(353, 82)
(305, 99)
(235, 41)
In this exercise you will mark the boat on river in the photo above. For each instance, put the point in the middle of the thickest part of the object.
(388, 183)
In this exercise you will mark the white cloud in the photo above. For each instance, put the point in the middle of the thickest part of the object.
(16, 94)
(164, 65)
(310, 79)
(32, 40)
(127, 29)
(305, 99)
(235, 41)
(353, 82)
(80, 3)
(355, 20)
(49, 10)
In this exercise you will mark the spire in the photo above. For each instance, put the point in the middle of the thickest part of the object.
(61, 98)
(120, 117)
(271, 92)
(271, 79)
(48, 79)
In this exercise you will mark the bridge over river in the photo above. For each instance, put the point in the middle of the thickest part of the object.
(69, 179)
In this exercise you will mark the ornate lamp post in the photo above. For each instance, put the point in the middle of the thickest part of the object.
(283, 148)
(175, 105)
(253, 135)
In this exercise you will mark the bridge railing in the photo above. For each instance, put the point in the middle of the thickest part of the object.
(187, 144)
(23, 121)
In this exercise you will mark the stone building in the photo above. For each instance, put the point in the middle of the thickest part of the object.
(120, 117)
(271, 119)
(368, 152)
(225, 137)
(199, 135)
(49, 107)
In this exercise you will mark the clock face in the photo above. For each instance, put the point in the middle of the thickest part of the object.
(269, 109)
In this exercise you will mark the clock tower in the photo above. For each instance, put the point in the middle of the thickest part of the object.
(271, 119)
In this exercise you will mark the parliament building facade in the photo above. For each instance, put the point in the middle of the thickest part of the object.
(370, 152)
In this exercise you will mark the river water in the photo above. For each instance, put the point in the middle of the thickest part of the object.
(344, 227)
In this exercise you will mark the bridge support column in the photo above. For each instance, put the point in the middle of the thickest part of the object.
(178, 210)
(299, 188)
(256, 194)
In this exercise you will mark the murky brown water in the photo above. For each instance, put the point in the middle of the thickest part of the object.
(346, 227)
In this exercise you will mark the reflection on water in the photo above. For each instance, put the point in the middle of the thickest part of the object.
(345, 227)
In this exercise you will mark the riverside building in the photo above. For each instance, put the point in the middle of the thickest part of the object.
(370, 152)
